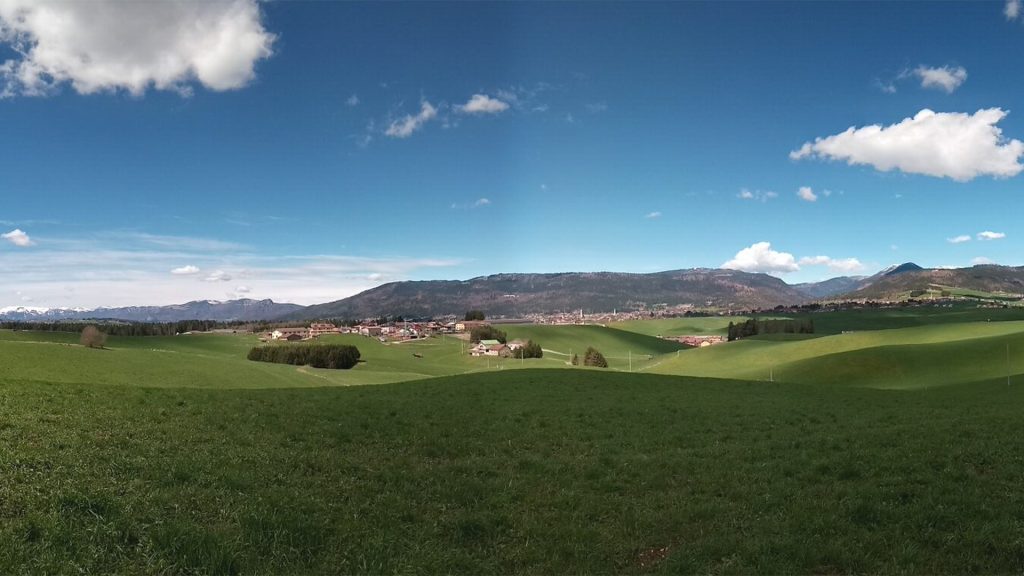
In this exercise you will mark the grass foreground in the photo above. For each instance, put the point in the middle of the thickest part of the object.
(539, 471)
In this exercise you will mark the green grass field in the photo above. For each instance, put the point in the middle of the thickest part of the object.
(876, 451)
(900, 358)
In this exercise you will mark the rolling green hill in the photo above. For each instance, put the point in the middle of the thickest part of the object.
(619, 347)
(900, 358)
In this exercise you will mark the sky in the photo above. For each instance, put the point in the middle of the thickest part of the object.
(159, 152)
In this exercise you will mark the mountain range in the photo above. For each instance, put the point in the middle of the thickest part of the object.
(520, 294)
(242, 310)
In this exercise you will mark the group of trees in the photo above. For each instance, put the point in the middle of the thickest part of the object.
(753, 327)
(591, 358)
(530, 350)
(477, 315)
(335, 356)
(486, 332)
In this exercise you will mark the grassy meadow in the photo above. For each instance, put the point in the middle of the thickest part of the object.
(873, 451)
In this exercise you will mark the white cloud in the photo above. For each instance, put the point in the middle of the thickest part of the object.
(805, 193)
(959, 239)
(1012, 9)
(243, 290)
(597, 107)
(185, 270)
(946, 145)
(483, 104)
(746, 194)
(845, 265)
(404, 127)
(218, 276)
(352, 100)
(989, 235)
(109, 45)
(981, 260)
(653, 215)
(18, 238)
(945, 78)
(481, 202)
(760, 257)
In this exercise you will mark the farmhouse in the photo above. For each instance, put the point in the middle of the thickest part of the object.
(489, 348)
(290, 334)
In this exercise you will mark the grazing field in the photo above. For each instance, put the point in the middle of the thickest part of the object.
(557, 471)
(873, 451)
(685, 326)
(901, 358)
(908, 317)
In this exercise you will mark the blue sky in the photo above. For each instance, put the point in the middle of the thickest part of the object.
(307, 151)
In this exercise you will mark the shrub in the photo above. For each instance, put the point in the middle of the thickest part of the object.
(475, 315)
(92, 337)
(594, 358)
(332, 356)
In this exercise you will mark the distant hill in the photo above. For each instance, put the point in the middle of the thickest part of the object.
(831, 287)
(517, 294)
(232, 310)
(902, 268)
(894, 282)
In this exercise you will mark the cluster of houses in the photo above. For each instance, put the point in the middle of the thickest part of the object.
(699, 341)
(405, 331)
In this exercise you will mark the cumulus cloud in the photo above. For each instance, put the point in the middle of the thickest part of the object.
(946, 78)
(760, 257)
(762, 196)
(405, 126)
(981, 260)
(483, 104)
(945, 145)
(185, 270)
(109, 45)
(481, 202)
(18, 238)
(1012, 9)
(959, 239)
(989, 235)
(845, 265)
(653, 215)
(805, 193)
(218, 276)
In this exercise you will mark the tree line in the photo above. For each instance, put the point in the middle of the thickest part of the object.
(753, 327)
(126, 328)
(333, 356)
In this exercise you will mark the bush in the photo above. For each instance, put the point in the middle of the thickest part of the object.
(92, 337)
(475, 315)
(530, 350)
(594, 358)
(332, 356)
